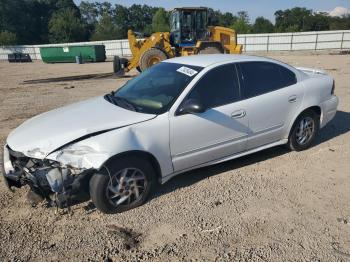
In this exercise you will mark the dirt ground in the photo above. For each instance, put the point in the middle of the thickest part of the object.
(274, 205)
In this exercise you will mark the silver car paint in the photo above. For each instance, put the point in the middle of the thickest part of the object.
(150, 136)
(178, 143)
(44, 133)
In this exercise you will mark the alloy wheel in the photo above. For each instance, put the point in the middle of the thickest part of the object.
(126, 187)
(305, 131)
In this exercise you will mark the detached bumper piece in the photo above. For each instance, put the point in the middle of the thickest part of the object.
(60, 186)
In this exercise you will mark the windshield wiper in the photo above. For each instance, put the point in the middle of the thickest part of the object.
(120, 101)
(108, 97)
(123, 102)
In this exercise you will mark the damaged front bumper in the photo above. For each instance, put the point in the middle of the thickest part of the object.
(49, 179)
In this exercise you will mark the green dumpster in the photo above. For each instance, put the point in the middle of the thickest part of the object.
(67, 54)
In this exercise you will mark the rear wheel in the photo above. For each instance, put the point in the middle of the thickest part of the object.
(125, 185)
(151, 57)
(304, 131)
(210, 50)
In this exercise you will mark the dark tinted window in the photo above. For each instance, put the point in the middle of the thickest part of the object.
(288, 77)
(217, 87)
(263, 77)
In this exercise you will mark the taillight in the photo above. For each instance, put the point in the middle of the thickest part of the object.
(333, 88)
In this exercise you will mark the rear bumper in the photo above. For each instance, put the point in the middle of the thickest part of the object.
(329, 109)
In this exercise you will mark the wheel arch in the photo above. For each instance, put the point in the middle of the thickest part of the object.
(316, 109)
(137, 153)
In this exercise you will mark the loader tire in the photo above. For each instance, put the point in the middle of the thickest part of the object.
(151, 57)
(210, 50)
(116, 64)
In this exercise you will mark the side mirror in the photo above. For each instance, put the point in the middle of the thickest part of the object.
(191, 106)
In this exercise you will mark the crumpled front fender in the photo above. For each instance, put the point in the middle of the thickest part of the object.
(80, 156)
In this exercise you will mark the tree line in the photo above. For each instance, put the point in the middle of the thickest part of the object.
(58, 21)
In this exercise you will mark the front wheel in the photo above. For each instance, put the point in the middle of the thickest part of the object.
(304, 131)
(122, 185)
(151, 57)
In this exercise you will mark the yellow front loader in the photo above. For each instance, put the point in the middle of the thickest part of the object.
(189, 35)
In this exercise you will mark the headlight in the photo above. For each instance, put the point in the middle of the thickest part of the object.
(77, 151)
(80, 156)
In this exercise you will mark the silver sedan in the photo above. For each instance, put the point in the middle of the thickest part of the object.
(181, 114)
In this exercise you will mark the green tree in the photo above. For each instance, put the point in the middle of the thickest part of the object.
(241, 25)
(316, 22)
(221, 19)
(292, 19)
(89, 12)
(106, 29)
(227, 19)
(160, 21)
(16, 16)
(66, 26)
(140, 16)
(262, 25)
(340, 23)
(7, 38)
(121, 16)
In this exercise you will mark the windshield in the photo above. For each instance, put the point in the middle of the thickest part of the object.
(175, 21)
(156, 89)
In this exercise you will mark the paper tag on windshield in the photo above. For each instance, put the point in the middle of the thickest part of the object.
(187, 71)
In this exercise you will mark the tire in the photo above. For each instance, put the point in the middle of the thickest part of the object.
(106, 199)
(295, 140)
(151, 57)
(116, 64)
(210, 50)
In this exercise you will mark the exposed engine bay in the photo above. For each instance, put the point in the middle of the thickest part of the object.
(58, 185)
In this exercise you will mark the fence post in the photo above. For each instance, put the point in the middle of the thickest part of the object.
(121, 47)
(342, 41)
(291, 42)
(245, 43)
(268, 42)
(316, 41)
(36, 57)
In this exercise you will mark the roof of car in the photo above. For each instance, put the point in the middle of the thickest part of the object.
(208, 60)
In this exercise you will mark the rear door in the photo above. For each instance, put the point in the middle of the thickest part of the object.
(218, 132)
(273, 96)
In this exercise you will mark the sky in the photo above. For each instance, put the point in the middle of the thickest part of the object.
(255, 8)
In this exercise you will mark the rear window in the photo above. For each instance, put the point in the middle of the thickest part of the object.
(264, 77)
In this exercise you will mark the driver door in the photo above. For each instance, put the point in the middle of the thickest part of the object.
(220, 131)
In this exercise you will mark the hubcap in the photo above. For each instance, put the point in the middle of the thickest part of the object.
(126, 187)
(305, 130)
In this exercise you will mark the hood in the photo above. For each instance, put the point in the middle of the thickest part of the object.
(42, 134)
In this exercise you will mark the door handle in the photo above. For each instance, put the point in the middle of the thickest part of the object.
(292, 99)
(238, 114)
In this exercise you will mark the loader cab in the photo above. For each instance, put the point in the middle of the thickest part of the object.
(188, 25)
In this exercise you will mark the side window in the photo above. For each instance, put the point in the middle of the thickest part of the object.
(288, 77)
(263, 77)
(217, 87)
